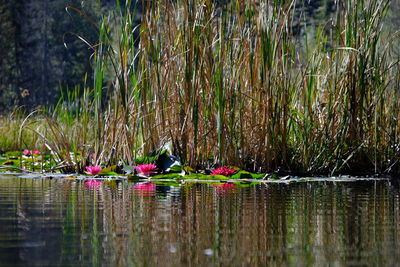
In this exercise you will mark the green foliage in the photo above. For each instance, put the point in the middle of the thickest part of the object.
(246, 175)
(151, 158)
(235, 84)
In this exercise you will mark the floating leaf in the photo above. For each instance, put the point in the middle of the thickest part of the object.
(10, 154)
(108, 174)
(188, 169)
(168, 176)
(247, 175)
(152, 157)
(176, 168)
(128, 169)
(274, 176)
(108, 170)
(200, 176)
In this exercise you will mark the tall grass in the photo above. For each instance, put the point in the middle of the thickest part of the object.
(232, 84)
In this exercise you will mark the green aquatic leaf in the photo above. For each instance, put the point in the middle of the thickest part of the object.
(176, 168)
(247, 175)
(108, 174)
(167, 176)
(10, 154)
(128, 169)
(108, 170)
(274, 176)
(200, 176)
(188, 169)
(152, 157)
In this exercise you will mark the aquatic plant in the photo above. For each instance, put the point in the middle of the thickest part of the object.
(146, 169)
(93, 170)
(28, 152)
(225, 171)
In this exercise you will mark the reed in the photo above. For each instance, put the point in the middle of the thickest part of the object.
(232, 84)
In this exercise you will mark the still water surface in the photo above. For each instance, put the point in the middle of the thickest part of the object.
(70, 223)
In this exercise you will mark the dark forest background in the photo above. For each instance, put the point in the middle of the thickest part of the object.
(35, 64)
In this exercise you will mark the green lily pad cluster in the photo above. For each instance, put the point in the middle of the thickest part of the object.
(169, 167)
(17, 161)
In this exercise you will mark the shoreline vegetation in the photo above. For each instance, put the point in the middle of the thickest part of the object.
(227, 85)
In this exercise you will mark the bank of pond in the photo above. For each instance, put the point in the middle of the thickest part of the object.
(158, 167)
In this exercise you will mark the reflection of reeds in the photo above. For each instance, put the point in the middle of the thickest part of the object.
(232, 84)
(302, 224)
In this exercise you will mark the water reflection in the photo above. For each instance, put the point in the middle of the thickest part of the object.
(145, 189)
(224, 188)
(61, 222)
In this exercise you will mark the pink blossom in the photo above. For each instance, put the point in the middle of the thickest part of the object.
(225, 171)
(93, 183)
(93, 170)
(146, 169)
(28, 152)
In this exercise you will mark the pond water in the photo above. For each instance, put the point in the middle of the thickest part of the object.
(64, 222)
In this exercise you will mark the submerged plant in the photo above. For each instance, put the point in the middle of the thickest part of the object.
(146, 169)
(225, 171)
(93, 170)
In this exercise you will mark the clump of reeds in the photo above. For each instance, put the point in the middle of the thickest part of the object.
(10, 131)
(232, 84)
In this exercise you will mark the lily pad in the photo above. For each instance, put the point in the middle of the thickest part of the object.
(247, 175)
(200, 176)
(168, 176)
(109, 171)
(152, 157)
(128, 169)
(10, 154)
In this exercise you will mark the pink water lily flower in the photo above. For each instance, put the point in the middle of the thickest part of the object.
(146, 169)
(225, 171)
(93, 183)
(28, 152)
(93, 170)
